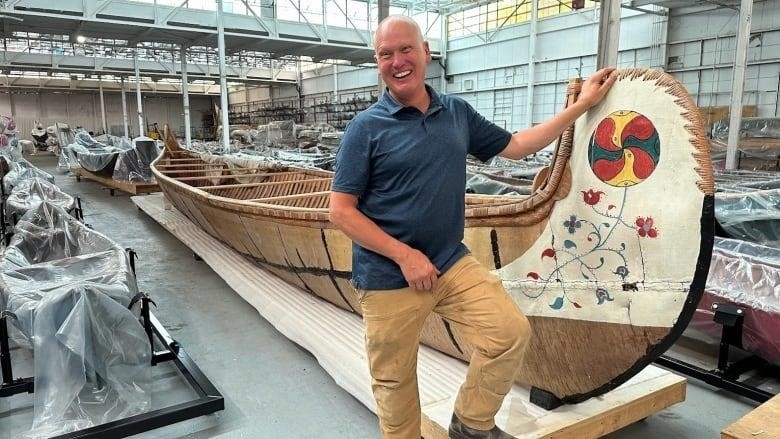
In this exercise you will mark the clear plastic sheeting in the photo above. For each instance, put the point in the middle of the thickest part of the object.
(758, 143)
(306, 158)
(478, 183)
(751, 215)
(283, 135)
(117, 159)
(331, 139)
(750, 127)
(94, 156)
(29, 194)
(21, 170)
(135, 164)
(242, 136)
(277, 134)
(502, 176)
(67, 159)
(70, 288)
(119, 142)
(746, 181)
(9, 144)
(747, 275)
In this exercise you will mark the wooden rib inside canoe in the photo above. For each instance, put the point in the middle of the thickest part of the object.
(594, 326)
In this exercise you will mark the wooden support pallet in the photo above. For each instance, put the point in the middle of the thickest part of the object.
(761, 423)
(130, 187)
(335, 337)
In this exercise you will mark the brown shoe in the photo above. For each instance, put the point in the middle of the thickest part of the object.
(459, 431)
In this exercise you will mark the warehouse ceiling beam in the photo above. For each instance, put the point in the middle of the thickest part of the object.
(349, 20)
(468, 28)
(671, 4)
(645, 11)
(98, 9)
(6, 18)
(506, 19)
(139, 37)
(140, 22)
(302, 15)
(724, 5)
(10, 4)
(173, 12)
(169, 67)
(456, 7)
(271, 33)
(201, 40)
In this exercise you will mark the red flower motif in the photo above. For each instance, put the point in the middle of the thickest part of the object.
(591, 197)
(644, 226)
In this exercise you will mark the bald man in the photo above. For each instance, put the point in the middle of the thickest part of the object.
(398, 193)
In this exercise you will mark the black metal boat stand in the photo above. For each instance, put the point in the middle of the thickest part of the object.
(209, 399)
(727, 374)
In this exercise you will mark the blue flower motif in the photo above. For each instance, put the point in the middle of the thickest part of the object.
(603, 295)
(621, 271)
(572, 224)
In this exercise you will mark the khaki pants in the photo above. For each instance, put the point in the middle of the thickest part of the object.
(478, 308)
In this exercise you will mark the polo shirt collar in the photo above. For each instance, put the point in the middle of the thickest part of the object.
(394, 106)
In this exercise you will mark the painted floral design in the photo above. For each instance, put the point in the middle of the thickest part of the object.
(602, 296)
(572, 224)
(621, 271)
(644, 226)
(591, 197)
(593, 247)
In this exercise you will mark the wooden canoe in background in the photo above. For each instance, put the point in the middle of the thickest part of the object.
(629, 187)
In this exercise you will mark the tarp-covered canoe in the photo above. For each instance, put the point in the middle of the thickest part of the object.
(608, 255)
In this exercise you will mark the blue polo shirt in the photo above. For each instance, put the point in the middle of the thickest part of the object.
(408, 170)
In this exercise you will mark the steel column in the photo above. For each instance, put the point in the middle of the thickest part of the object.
(609, 34)
(529, 98)
(223, 91)
(185, 96)
(738, 82)
(141, 128)
(102, 104)
(124, 107)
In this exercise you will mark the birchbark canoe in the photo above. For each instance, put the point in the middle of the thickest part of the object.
(607, 257)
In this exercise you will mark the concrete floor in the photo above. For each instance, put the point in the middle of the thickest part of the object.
(272, 387)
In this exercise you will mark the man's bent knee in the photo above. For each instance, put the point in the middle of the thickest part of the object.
(515, 333)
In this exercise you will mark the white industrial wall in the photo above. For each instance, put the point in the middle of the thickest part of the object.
(249, 94)
(491, 71)
(83, 109)
(701, 49)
